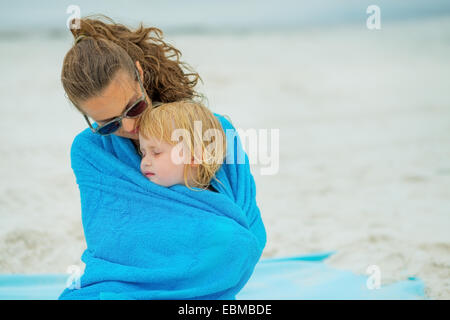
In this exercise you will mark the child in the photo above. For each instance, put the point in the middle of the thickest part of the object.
(166, 160)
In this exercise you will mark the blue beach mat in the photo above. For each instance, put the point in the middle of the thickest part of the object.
(300, 277)
(307, 277)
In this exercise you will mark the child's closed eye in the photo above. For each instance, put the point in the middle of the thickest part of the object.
(152, 152)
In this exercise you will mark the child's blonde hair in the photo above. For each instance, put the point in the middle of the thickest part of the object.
(161, 121)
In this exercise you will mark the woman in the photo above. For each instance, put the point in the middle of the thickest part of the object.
(145, 241)
(104, 60)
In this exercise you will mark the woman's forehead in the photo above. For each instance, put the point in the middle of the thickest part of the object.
(112, 101)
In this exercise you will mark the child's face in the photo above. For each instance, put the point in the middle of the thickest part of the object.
(161, 162)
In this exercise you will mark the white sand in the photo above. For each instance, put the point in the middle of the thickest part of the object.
(364, 119)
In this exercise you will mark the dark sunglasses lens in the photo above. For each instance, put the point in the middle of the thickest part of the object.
(110, 128)
(137, 109)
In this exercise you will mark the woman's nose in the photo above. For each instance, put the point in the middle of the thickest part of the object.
(129, 125)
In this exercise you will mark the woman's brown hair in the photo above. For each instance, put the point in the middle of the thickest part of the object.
(91, 64)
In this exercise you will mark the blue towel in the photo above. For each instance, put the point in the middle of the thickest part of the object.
(145, 241)
(298, 277)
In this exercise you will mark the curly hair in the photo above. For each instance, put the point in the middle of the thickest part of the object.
(107, 47)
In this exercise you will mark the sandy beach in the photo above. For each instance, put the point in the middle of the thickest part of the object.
(364, 146)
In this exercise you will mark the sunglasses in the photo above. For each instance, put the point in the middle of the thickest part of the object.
(134, 111)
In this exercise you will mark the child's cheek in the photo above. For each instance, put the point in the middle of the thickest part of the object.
(142, 165)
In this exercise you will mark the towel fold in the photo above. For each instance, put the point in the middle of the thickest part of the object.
(145, 241)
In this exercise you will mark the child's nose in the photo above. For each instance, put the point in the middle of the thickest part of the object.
(145, 162)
